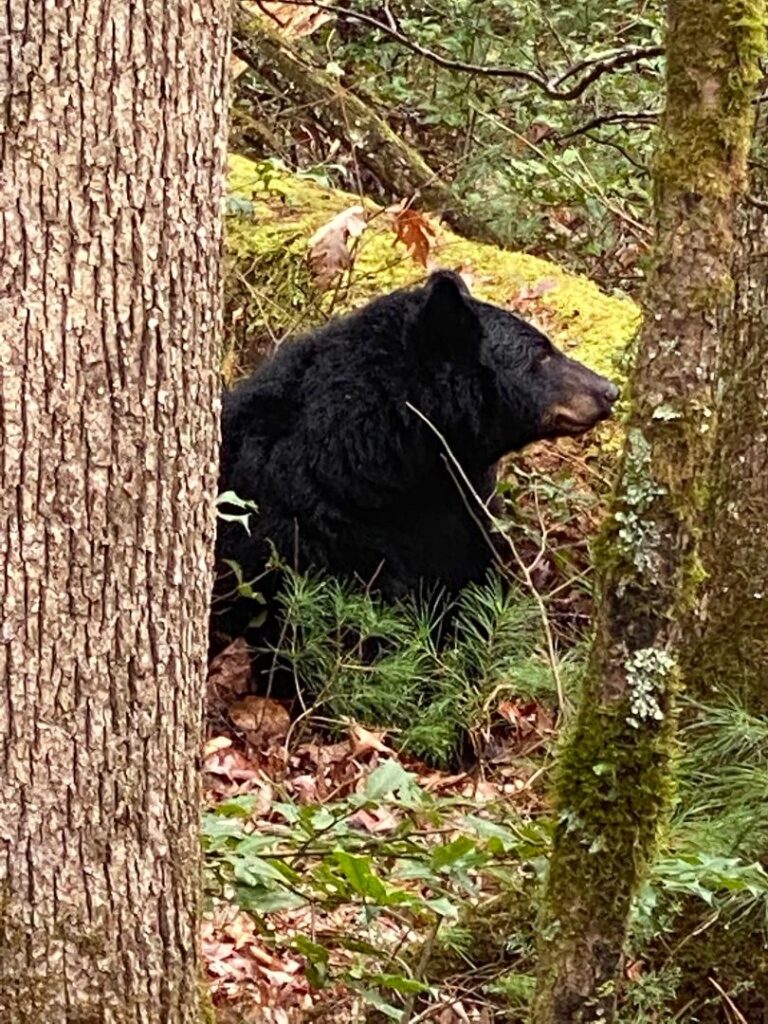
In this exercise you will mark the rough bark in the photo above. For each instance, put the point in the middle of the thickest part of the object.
(614, 781)
(346, 117)
(111, 153)
(731, 652)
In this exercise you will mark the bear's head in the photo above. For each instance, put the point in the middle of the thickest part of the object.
(520, 388)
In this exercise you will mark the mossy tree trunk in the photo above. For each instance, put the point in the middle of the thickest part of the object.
(731, 651)
(112, 150)
(614, 777)
(345, 116)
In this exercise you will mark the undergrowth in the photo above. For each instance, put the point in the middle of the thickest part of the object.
(463, 878)
(431, 674)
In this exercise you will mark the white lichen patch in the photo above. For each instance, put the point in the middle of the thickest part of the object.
(638, 538)
(648, 671)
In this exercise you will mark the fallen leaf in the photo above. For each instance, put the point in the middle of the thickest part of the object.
(329, 253)
(634, 970)
(531, 292)
(380, 819)
(264, 720)
(413, 230)
(365, 740)
(304, 788)
(215, 744)
(537, 131)
(229, 674)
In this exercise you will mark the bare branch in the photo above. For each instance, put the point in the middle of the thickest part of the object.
(378, 147)
(598, 65)
(618, 117)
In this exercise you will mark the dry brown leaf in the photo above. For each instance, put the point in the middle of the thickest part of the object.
(229, 673)
(365, 740)
(215, 744)
(334, 753)
(537, 130)
(523, 716)
(215, 952)
(329, 253)
(414, 231)
(375, 821)
(304, 789)
(293, 21)
(482, 792)
(228, 773)
(531, 292)
(634, 970)
(230, 763)
(439, 780)
(264, 721)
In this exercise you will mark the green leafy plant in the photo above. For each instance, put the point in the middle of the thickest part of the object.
(437, 856)
(430, 674)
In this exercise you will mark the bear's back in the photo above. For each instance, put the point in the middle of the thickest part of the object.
(312, 382)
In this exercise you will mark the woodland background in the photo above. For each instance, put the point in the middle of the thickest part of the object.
(559, 814)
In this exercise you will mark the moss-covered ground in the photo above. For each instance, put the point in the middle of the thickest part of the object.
(274, 213)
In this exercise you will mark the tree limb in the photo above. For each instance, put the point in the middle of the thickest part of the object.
(618, 117)
(598, 66)
(376, 146)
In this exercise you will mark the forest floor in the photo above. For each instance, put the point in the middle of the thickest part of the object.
(341, 873)
(313, 958)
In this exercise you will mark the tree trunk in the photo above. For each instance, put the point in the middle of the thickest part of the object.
(345, 116)
(614, 778)
(732, 651)
(112, 150)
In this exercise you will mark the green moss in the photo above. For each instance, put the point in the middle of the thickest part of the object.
(599, 811)
(716, 126)
(269, 286)
(494, 931)
(614, 787)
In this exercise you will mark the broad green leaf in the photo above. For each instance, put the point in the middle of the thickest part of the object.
(260, 900)
(389, 776)
(359, 873)
(449, 854)
(237, 806)
(398, 983)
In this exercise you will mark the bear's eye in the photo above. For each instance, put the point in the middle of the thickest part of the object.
(542, 356)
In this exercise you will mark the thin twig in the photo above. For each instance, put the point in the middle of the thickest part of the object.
(640, 231)
(619, 117)
(738, 1016)
(563, 703)
(598, 66)
(426, 953)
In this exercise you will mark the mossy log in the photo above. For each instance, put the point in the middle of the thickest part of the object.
(347, 117)
(270, 293)
(614, 780)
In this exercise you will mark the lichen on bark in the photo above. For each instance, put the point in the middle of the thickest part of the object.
(614, 780)
(730, 651)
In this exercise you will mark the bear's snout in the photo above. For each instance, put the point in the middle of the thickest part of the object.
(585, 398)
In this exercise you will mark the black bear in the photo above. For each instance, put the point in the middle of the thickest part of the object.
(349, 440)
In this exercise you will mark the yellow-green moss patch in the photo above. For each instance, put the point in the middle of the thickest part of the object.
(270, 291)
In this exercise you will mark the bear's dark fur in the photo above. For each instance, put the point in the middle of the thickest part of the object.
(349, 479)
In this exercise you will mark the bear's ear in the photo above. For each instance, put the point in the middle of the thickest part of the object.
(447, 324)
